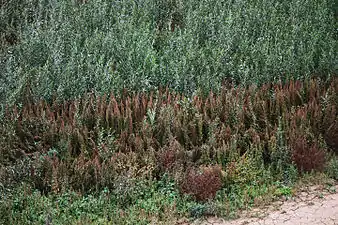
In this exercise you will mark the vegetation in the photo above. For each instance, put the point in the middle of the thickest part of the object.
(153, 150)
(69, 48)
(89, 134)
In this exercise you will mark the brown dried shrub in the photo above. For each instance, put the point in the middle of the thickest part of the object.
(168, 157)
(202, 183)
(307, 156)
(331, 137)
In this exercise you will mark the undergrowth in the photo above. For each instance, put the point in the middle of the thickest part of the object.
(154, 157)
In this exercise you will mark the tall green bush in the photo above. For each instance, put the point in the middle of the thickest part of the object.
(69, 47)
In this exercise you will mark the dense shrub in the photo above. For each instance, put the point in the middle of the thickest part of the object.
(332, 168)
(69, 49)
(307, 156)
(202, 183)
(93, 142)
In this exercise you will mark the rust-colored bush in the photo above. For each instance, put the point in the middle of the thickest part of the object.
(168, 157)
(202, 183)
(168, 131)
(307, 156)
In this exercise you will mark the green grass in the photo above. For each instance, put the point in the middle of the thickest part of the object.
(159, 202)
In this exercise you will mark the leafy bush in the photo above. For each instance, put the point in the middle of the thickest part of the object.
(25, 206)
(68, 49)
(332, 168)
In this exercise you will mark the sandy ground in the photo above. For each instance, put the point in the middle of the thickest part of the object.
(311, 206)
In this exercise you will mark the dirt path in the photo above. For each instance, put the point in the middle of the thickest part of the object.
(311, 206)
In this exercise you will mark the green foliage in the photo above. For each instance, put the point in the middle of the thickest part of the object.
(280, 153)
(332, 168)
(283, 190)
(246, 170)
(73, 47)
(241, 196)
(25, 206)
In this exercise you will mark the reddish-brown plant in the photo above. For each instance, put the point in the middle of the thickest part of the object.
(202, 183)
(307, 156)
